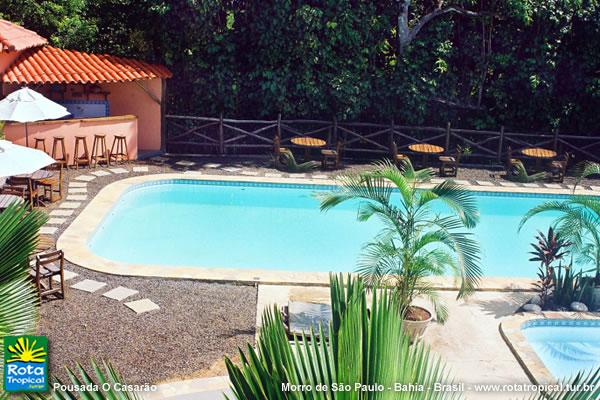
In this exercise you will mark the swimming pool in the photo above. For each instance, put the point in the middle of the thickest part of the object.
(251, 225)
(565, 346)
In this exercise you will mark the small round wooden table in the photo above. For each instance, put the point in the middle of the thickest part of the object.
(539, 154)
(426, 149)
(8, 199)
(308, 143)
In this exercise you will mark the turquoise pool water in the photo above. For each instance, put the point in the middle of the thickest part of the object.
(280, 227)
(565, 346)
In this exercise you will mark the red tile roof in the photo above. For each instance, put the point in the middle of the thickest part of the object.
(14, 37)
(49, 64)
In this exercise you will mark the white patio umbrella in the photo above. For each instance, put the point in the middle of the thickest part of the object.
(17, 160)
(26, 105)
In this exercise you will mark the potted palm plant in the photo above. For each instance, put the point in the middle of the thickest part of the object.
(417, 241)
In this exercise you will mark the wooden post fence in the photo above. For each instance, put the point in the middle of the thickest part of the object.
(362, 140)
(448, 132)
(221, 135)
(500, 144)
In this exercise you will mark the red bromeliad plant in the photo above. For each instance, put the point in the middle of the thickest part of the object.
(548, 249)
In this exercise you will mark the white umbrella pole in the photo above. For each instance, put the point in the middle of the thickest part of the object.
(26, 136)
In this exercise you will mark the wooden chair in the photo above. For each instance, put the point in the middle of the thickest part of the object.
(449, 164)
(558, 168)
(26, 187)
(396, 157)
(331, 157)
(47, 266)
(53, 184)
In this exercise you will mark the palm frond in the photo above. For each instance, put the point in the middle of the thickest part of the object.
(368, 346)
(19, 302)
(519, 174)
(458, 199)
(583, 386)
(584, 170)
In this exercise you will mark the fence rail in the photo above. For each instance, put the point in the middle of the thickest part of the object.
(221, 136)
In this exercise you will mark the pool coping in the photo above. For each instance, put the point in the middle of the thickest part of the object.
(512, 333)
(74, 239)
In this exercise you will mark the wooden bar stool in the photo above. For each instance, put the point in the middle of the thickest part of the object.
(118, 150)
(81, 159)
(99, 151)
(58, 143)
(40, 144)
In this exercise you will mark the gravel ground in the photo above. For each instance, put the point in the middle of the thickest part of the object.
(198, 322)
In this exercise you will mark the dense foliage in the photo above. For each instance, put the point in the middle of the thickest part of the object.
(527, 64)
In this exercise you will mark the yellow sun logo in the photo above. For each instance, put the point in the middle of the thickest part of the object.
(25, 351)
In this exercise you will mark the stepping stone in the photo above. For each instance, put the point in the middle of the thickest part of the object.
(68, 275)
(56, 221)
(77, 197)
(86, 178)
(77, 184)
(69, 204)
(77, 190)
(184, 163)
(320, 176)
(531, 185)
(231, 169)
(273, 175)
(120, 293)
(210, 165)
(100, 173)
(249, 173)
(119, 170)
(297, 175)
(48, 230)
(142, 306)
(140, 169)
(507, 183)
(89, 285)
(485, 183)
(555, 186)
(61, 213)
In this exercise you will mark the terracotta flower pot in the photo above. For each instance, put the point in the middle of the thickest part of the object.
(417, 320)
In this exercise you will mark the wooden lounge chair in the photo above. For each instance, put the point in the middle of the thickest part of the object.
(331, 157)
(25, 186)
(299, 317)
(449, 164)
(47, 266)
(396, 157)
(558, 168)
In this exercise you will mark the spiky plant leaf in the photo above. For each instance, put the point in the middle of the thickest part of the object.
(367, 346)
(19, 230)
(520, 174)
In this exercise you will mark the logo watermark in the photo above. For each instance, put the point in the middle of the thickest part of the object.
(25, 364)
